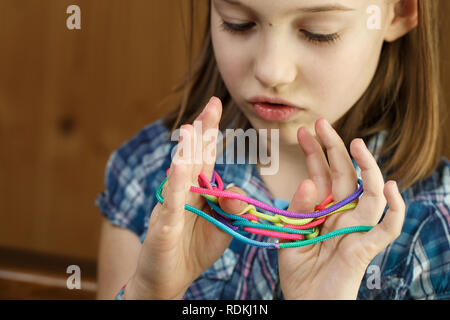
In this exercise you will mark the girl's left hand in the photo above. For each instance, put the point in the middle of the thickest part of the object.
(334, 268)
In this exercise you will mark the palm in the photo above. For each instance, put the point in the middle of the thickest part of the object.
(203, 242)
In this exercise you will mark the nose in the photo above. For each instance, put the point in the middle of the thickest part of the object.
(274, 66)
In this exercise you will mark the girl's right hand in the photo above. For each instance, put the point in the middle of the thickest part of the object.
(179, 244)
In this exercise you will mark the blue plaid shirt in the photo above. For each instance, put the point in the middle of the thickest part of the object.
(415, 266)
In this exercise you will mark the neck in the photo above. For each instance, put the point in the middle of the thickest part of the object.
(291, 171)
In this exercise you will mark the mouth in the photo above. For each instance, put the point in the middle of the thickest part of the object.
(274, 109)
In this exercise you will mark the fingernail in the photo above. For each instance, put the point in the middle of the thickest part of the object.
(396, 186)
(213, 99)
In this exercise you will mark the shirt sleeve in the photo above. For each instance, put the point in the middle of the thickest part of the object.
(431, 257)
(132, 176)
(121, 200)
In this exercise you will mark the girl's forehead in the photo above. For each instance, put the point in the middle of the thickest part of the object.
(300, 5)
(285, 8)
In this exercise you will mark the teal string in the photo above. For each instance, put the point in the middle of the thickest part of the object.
(272, 227)
(326, 236)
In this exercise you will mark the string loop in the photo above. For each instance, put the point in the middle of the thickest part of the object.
(301, 228)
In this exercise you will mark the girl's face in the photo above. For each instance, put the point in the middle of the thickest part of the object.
(318, 55)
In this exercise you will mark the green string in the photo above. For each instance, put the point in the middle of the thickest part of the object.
(323, 237)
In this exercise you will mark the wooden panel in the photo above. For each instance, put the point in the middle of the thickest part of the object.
(68, 98)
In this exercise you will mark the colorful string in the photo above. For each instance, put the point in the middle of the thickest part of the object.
(299, 228)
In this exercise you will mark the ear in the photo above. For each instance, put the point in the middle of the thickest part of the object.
(405, 18)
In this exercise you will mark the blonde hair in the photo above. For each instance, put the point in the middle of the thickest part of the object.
(404, 98)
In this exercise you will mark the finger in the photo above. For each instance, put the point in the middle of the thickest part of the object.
(188, 156)
(197, 150)
(343, 174)
(316, 162)
(304, 200)
(211, 119)
(206, 125)
(174, 192)
(390, 228)
(233, 206)
(372, 202)
(179, 156)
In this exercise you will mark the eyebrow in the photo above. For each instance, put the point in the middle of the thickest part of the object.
(313, 9)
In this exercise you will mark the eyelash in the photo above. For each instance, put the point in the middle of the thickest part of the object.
(312, 37)
(321, 38)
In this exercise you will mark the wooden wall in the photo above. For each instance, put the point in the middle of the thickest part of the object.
(68, 98)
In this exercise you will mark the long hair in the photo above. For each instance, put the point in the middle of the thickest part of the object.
(404, 98)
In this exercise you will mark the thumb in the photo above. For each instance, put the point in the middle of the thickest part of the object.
(233, 206)
(304, 199)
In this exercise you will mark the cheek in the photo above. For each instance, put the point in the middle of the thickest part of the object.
(231, 60)
(231, 54)
(341, 75)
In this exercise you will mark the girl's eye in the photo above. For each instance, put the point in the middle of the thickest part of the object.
(319, 38)
(316, 38)
(237, 28)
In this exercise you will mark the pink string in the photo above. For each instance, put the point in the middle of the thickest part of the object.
(276, 234)
(250, 217)
(307, 225)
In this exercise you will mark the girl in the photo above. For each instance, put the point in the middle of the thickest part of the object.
(368, 68)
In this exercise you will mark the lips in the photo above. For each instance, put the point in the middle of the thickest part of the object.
(274, 109)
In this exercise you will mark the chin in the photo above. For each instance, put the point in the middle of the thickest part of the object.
(288, 137)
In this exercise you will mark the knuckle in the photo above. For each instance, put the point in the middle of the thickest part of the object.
(393, 231)
(165, 206)
(402, 205)
(372, 249)
(382, 203)
(165, 230)
(377, 194)
(397, 231)
(386, 230)
(363, 252)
